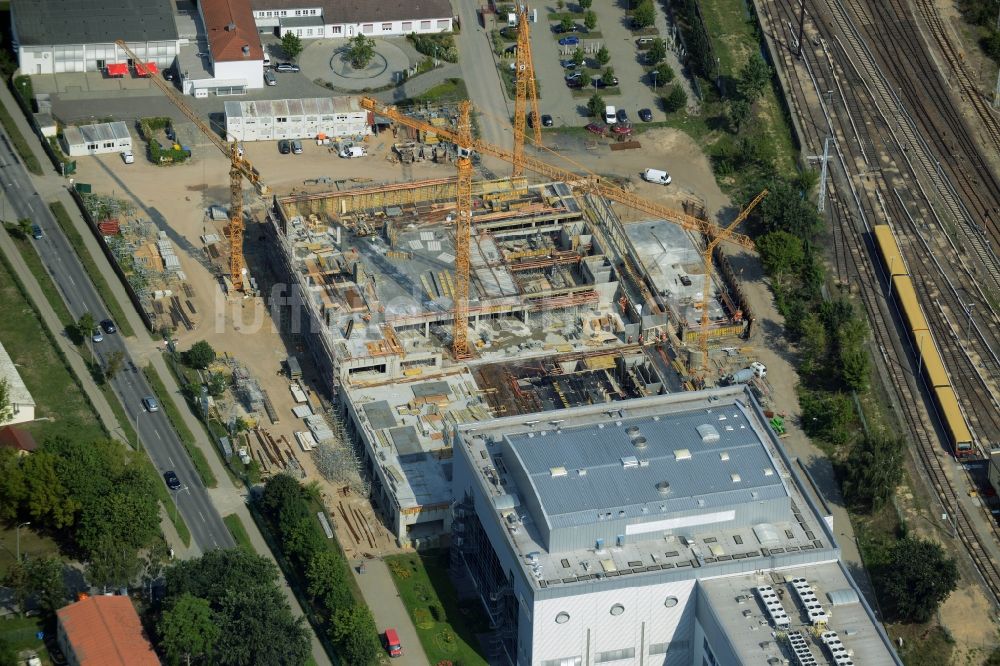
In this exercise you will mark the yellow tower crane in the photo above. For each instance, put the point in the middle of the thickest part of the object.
(240, 168)
(463, 233)
(524, 90)
(710, 244)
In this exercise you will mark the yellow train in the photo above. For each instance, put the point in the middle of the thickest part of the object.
(932, 367)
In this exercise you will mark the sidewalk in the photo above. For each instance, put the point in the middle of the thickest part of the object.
(381, 596)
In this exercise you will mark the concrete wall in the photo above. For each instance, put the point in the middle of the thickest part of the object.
(252, 71)
(91, 57)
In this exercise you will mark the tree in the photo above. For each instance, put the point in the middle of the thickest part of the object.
(46, 498)
(813, 347)
(590, 19)
(874, 469)
(85, 326)
(657, 52)
(664, 74)
(603, 56)
(217, 384)
(41, 578)
(188, 629)
(585, 4)
(200, 356)
(675, 100)
(12, 487)
(216, 572)
(915, 580)
(256, 626)
(281, 491)
(360, 51)
(326, 580)
(781, 253)
(739, 113)
(608, 77)
(354, 633)
(6, 410)
(579, 57)
(291, 45)
(754, 78)
(113, 365)
(644, 15)
(826, 416)
(595, 106)
(560, 4)
(566, 23)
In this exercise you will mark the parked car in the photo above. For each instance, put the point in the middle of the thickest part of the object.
(622, 129)
(97, 336)
(296, 146)
(610, 116)
(558, 29)
(36, 231)
(574, 83)
(644, 42)
(598, 82)
(286, 67)
(759, 369)
(645, 115)
(168, 74)
(128, 157)
(594, 128)
(284, 147)
(269, 78)
(574, 76)
(509, 32)
(622, 116)
(572, 40)
(392, 644)
(109, 326)
(568, 64)
(149, 402)
(170, 476)
(660, 177)
(547, 120)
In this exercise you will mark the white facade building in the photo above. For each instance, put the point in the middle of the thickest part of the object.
(234, 62)
(57, 36)
(661, 530)
(21, 407)
(270, 120)
(97, 139)
(331, 19)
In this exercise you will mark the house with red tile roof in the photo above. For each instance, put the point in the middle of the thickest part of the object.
(103, 631)
(235, 56)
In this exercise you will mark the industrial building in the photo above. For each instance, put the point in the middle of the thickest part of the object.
(57, 36)
(270, 120)
(21, 406)
(330, 19)
(96, 139)
(663, 530)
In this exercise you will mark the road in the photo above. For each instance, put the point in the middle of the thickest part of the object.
(156, 436)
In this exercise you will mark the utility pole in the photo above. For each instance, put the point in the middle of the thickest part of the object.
(802, 22)
(17, 532)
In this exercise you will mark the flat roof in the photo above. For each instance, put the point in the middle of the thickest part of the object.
(44, 22)
(96, 133)
(310, 106)
(745, 620)
(576, 471)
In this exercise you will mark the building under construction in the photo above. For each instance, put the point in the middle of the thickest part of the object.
(373, 286)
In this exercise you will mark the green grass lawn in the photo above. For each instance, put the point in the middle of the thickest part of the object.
(61, 408)
(21, 144)
(89, 265)
(449, 89)
(446, 627)
(21, 633)
(168, 405)
(238, 531)
(52, 294)
(33, 544)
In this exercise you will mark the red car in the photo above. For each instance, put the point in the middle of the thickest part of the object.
(597, 129)
(622, 129)
(392, 644)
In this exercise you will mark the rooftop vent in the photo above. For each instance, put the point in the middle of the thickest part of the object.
(581, 472)
(556, 472)
(682, 454)
(629, 462)
(663, 487)
(230, 27)
(639, 442)
(768, 471)
(735, 477)
(633, 431)
(724, 455)
(246, 49)
(709, 435)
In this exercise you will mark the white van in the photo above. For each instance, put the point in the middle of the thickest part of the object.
(610, 115)
(267, 59)
(353, 151)
(656, 176)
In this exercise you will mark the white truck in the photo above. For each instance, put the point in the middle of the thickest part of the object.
(656, 176)
(349, 152)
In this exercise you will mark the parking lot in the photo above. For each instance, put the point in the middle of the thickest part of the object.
(569, 107)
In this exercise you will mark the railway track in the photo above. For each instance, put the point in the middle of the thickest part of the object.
(872, 152)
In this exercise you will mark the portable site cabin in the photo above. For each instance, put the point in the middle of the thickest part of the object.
(97, 139)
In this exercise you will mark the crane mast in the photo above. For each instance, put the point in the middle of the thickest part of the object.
(524, 90)
(463, 233)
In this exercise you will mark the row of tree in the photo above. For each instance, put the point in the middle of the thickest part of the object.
(96, 498)
(226, 608)
(288, 510)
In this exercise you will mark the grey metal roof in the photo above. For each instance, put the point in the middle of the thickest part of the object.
(96, 133)
(617, 476)
(44, 22)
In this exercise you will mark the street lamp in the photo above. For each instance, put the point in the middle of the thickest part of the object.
(17, 533)
(654, 79)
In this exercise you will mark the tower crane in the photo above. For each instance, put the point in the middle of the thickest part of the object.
(240, 168)
(710, 244)
(524, 90)
(463, 233)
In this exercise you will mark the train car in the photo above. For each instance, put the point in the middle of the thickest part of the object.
(892, 258)
(954, 421)
(931, 365)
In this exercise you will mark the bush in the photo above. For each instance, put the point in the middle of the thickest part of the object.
(441, 46)
(675, 100)
(200, 356)
(915, 580)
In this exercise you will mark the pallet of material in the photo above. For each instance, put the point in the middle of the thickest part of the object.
(269, 408)
(626, 145)
(301, 411)
(298, 393)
